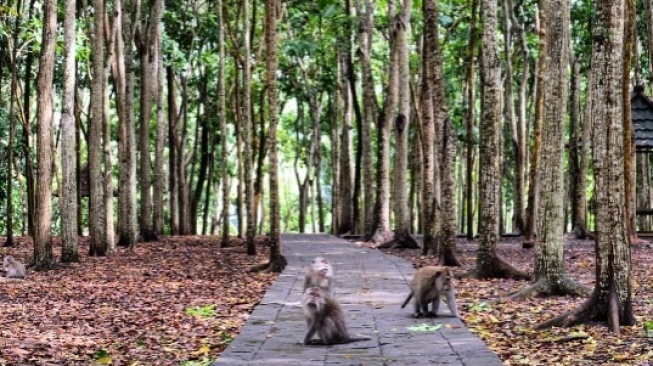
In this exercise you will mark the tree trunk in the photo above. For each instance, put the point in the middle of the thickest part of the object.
(96, 209)
(469, 122)
(382, 207)
(428, 140)
(522, 134)
(648, 10)
(247, 134)
(159, 169)
(68, 192)
(488, 263)
(277, 260)
(336, 107)
(43, 259)
(346, 186)
(173, 119)
(575, 141)
(643, 187)
(533, 181)
(13, 121)
(146, 43)
(611, 299)
(549, 275)
(629, 144)
(27, 129)
(222, 116)
(127, 223)
(448, 231)
(366, 24)
(402, 237)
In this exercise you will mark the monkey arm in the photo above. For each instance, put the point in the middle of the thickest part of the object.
(311, 331)
(451, 303)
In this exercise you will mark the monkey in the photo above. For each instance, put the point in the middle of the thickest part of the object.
(14, 268)
(428, 284)
(320, 274)
(325, 317)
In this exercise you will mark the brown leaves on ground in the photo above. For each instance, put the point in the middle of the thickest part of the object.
(178, 299)
(508, 328)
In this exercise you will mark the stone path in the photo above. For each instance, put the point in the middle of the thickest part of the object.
(370, 286)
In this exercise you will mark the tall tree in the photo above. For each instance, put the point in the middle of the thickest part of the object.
(382, 206)
(611, 299)
(402, 237)
(470, 102)
(127, 223)
(145, 40)
(277, 261)
(159, 171)
(488, 262)
(247, 129)
(13, 121)
(629, 144)
(346, 222)
(222, 115)
(97, 244)
(68, 195)
(428, 138)
(365, 12)
(549, 275)
(43, 199)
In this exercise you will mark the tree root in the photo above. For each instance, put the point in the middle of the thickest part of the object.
(586, 312)
(403, 242)
(503, 269)
(542, 287)
(448, 258)
(273, 266)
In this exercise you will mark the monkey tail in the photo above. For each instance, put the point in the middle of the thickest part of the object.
(410, 296)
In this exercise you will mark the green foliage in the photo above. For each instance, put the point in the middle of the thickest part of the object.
(201, 311)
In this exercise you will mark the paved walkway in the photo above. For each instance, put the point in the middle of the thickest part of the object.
(370, 286)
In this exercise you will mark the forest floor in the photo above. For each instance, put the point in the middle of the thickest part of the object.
(178, 301)
(508, 328)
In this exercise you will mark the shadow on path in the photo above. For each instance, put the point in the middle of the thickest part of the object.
(370, 286)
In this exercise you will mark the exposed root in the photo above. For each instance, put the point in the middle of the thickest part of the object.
(586, 312)
(502, 269)
(273, 266)
(379, 236)
(542, 287)
(448, 258)
(403, 242)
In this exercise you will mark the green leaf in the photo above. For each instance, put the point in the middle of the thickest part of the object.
(202, 311)
(425, 327)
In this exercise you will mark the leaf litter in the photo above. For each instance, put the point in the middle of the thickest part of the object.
(170, 302)
(508, 327)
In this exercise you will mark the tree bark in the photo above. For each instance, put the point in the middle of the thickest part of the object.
(222, 115)
(127, 223)
(402, 237)
(68, 193)
(247, 134)
(533, 181)
(277, 261)
(43, 258)
(488, 263)
(96, 209)
(159, 169)
(366, 24)
(469, 122)
(611, 299)
(427, 128)
(549, 275)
